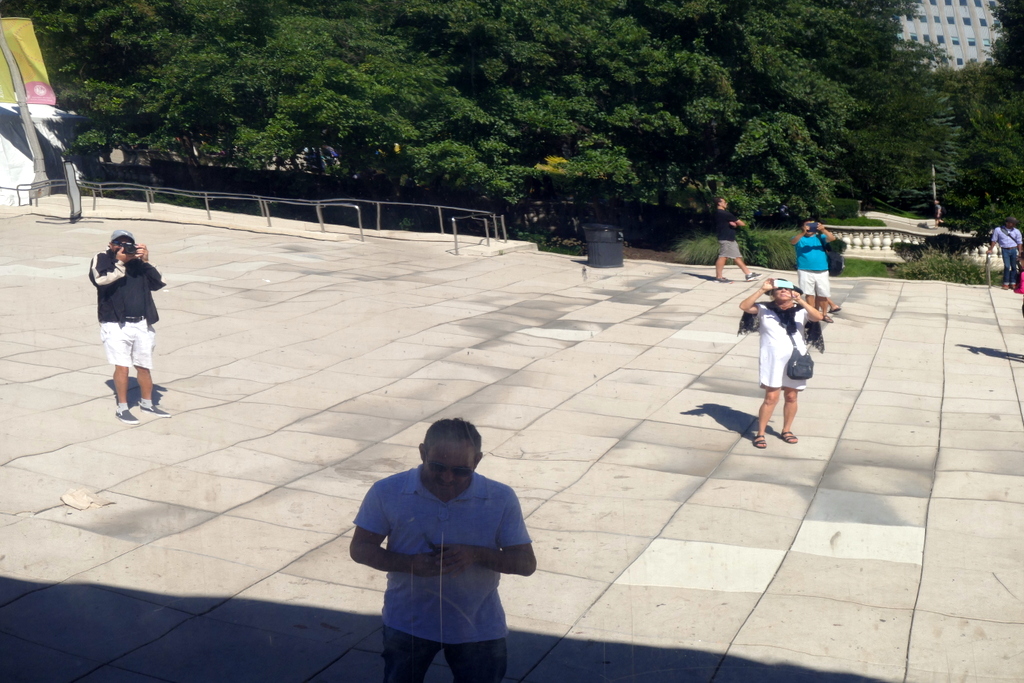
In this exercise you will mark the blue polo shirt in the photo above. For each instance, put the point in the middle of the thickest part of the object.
(447, 609)
(810, 254)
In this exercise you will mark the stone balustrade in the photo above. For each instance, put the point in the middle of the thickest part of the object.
(877, 244)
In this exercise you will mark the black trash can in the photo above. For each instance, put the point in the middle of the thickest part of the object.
(604, 245)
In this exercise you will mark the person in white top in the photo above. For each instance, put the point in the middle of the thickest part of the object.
(787, 321)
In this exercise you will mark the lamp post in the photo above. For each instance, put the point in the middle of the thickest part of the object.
(38, 163)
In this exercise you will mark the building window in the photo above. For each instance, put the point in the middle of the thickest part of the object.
(995, 23)
(973, 60)
(977, 3)
(950, 20)
(955, 40)
(959, 61)
(963, 3)
(982, 22)
(927, 38)
(910, 17)
(923, 19)
(913, 36)
(967, 21)
(992, 4)
(972, 42)
(986, 42)
(941, 40)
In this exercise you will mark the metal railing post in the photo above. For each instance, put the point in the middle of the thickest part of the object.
(359, 214)
(93, 190)
(440, 219)
(378, 215)
(487, 231)
(149, 204)
(504, 231)
(206, 199)
(455, 234)
(320, 215)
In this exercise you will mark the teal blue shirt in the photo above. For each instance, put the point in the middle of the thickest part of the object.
(810, 254)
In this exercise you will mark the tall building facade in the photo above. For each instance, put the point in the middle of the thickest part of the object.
(963, 29)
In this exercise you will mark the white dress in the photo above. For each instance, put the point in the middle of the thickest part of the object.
(776, 348)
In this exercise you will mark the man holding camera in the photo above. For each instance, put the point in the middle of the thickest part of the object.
(812, 265)
(125, 282)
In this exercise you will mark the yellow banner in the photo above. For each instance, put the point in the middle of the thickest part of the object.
(21, 38)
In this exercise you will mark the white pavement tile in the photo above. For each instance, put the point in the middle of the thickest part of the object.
(547, 596)
(703, 566)
(249, 542)
(861, 541)
(567, 512)
(186, 581)
(188, 488)
(949, 648)
(39, 549)
(731, 526)
(301, 510)
(875, 583)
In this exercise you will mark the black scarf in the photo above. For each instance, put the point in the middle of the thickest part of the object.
(812, 330)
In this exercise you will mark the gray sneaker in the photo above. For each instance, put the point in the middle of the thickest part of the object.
(723, 280)
(126, 417)
(155, 411)
(752, 276)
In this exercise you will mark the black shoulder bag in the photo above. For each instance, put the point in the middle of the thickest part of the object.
(800, 365)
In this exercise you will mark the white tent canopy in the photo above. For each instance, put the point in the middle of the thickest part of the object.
(56, 130)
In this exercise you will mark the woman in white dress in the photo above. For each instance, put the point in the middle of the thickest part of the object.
(788, 319)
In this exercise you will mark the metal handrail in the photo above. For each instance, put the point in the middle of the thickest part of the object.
(97, 190)
(263, 202)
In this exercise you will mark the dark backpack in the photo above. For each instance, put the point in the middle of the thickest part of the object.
(836, 262)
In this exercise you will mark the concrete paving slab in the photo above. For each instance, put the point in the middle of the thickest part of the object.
(619, 408)
(97, 624)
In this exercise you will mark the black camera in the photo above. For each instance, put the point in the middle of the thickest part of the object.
(129, 248)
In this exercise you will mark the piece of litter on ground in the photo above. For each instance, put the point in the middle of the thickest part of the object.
(82, 499)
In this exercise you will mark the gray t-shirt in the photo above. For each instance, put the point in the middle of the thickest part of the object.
(448, 609)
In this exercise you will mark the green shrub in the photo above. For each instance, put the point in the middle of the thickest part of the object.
(760, 247)
(557, 245)
(936, 265)
(845, 208)
(701, 250)
(767, 248)
(856, 222)
(944, 243)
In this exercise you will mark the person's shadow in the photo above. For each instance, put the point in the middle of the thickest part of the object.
(992, 353)
(730, 418)
(133, 391)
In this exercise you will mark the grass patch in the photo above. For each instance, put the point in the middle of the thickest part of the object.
(856, 267)
(855, 222)
(889, 208)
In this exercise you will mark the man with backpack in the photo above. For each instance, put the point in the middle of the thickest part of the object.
(1008, 237)
(812, 265)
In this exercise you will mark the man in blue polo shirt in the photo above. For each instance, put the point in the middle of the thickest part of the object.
(812, 265)
(450, 533)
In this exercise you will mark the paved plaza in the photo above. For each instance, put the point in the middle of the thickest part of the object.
(888, 545)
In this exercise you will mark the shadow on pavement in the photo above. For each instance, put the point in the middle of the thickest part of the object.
(102, 634)
(730, 418)
(992, 353)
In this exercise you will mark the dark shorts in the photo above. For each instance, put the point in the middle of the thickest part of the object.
(407, 658)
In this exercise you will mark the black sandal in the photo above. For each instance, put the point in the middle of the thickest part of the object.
(789, 437)
(759, 441)
(835, 309)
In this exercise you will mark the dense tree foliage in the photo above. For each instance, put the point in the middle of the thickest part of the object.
(792, 101)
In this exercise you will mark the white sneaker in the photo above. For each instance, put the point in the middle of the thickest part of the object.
(752, 276)
(155, 411)
(126, 417)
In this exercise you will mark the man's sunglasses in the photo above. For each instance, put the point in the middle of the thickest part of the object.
(457, 471)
